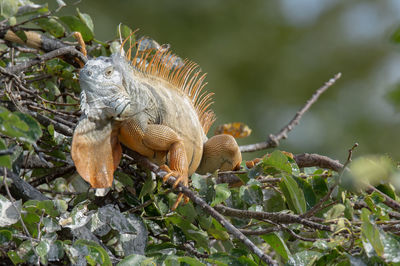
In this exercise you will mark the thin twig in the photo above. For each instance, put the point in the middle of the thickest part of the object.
(141, 206)
(16, 209)
(260, 232)
(38, 226)
(317, 207)
(8, 151)
(273, 140)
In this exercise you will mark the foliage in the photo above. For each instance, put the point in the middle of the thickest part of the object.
(312, 215)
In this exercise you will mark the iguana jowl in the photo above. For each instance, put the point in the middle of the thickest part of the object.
(155, 108)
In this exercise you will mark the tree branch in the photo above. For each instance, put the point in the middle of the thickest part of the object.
(68, 50)
(26, 191)
(276, 217)
(202, 204)
(273, 140)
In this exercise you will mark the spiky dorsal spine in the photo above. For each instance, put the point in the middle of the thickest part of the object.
(186, 77)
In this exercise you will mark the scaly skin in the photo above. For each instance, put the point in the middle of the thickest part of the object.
(148, 114)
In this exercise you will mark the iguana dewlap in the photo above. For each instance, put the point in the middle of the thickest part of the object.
(153, 107)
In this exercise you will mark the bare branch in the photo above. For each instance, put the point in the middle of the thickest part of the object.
(273, 140)
(68, 50)
(276, 217)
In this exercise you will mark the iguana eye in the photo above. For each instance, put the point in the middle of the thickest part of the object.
(108, 72)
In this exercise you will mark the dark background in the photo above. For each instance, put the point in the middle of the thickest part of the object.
(264, 59)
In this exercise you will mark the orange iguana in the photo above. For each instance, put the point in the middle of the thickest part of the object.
(154, 106)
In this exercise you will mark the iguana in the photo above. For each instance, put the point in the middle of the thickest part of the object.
(153, 106)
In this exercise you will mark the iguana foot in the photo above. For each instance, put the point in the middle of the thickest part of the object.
(180, 178)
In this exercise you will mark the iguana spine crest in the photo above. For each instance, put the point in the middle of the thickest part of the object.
(187, 78)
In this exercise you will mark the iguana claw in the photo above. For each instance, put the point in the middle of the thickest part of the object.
(180, 178)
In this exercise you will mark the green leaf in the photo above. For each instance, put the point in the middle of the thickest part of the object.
(190, 231)
(34, 132)
(42, 249)
(8, 8)
(32, 9)
(251, 193)
(222, 193)
(162, 248)
(56, 251)
(126, 32)
(136, 259)
(21, 34)
(273, 201)
(217, 230)
(294, 195)
(76, 24)
(334, 212)
(191, 261)
(125, 179)
(277, 243)
(204, 185)
(148, 187)
(388, 189)
(308, 192)
(392, 247)
(279, 161)
(50, 225)
(349, 211)
(51, 26)
(85, 18)
(304, 258)
(14, 257)
(370, 233)
(244, 260)
(97, 254)
(5, 236)
(49, 208)
(9, 211)
(319, 184)
(5, 160)
(19, 125)
(187, 211)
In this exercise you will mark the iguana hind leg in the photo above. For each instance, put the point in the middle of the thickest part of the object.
(220, 152)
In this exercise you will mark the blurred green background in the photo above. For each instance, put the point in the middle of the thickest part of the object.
(264, 59)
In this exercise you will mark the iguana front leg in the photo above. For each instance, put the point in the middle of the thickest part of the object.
(163, 138)
(148, 140)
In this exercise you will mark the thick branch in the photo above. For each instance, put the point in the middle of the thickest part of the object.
(313, 159)
(68, 50)
(26, 191)
(207, 208)
(273, 140)
(277, 217)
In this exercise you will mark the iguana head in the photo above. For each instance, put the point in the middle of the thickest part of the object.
(103, 91)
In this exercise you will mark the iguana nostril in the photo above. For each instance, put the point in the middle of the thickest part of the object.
(89, 73)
